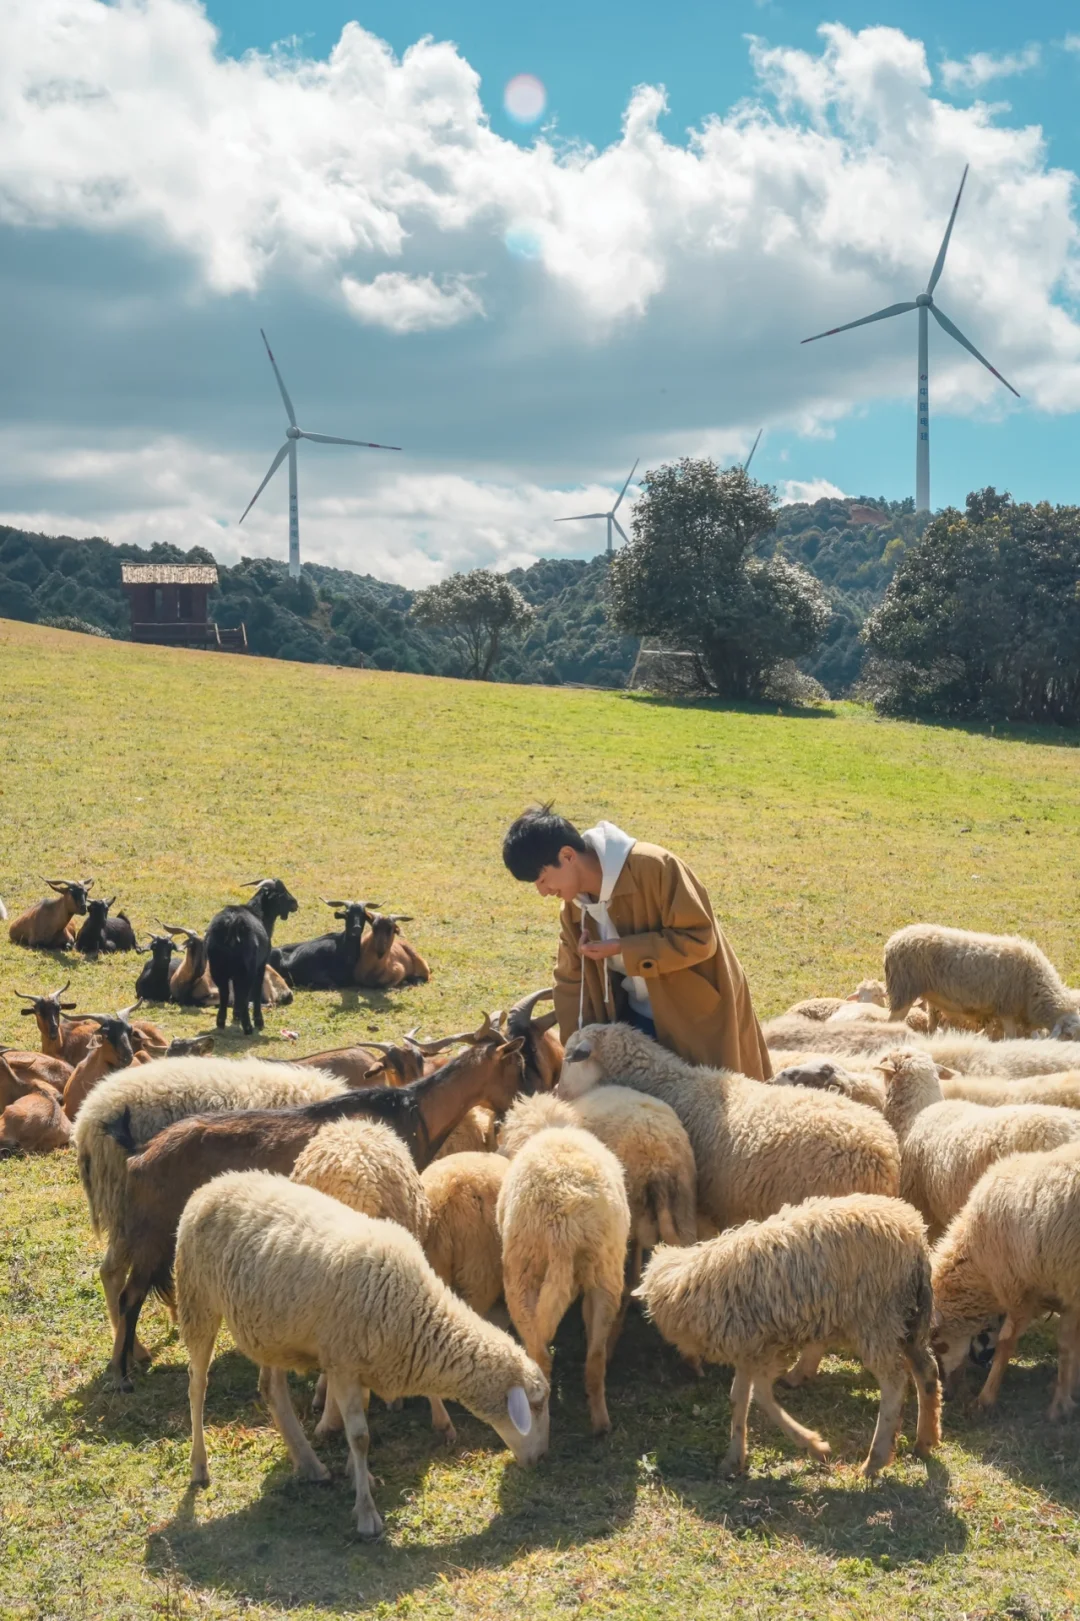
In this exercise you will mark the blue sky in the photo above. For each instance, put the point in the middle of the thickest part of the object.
(525, 309)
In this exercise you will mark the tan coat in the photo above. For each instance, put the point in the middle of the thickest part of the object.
(700, 999)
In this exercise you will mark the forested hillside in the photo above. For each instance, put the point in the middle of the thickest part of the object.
(333, 616)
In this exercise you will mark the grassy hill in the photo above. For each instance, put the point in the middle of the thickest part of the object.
(172, 777)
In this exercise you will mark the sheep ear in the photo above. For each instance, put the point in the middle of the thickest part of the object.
(945, 1073)
(519, 1411)
(579, 1054)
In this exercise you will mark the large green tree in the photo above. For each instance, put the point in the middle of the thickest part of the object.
(982, 618)
(479, 610)
(701, 573)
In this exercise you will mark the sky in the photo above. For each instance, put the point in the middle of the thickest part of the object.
(526, 306)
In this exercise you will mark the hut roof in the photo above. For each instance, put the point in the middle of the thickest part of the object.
(168, 574)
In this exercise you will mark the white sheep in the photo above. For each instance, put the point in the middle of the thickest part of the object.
(828, 1075)
(1014, 1249)
(473, 1134)
(868, 992)
(1008, 1060)
(368, 1167)
(1062, 1090)
(564, 1222)
(979, 976)
(127, 1109)
(790, 1033)
(851, 1271)
(303, 1282)
(757, 1146)
(946, 1147)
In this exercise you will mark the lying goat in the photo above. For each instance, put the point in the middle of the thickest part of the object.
(102, 933)
(386, 957)
(329, 962)
(47, 924)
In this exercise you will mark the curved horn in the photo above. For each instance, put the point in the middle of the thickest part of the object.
(56, 995)
(177, 928)
(88, 883)
(126, 1012)
(26, 996)
(253, 883)
(548, 1022)
(334, 903)
(59, 884)
(400, 917)
(519, 1018)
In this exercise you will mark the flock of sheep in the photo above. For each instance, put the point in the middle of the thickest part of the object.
(363, 1213)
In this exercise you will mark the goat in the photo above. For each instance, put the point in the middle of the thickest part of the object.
(386, 957)
(238, 948)
(114, 1050)
(28, 1072)
(328, 962)
(68, 1039)
(360, 1067)
(102, 933)
(31, 1117)
(191, 1151)
(191, 984)
(153, 982)
(47, 924)
(543, 1051)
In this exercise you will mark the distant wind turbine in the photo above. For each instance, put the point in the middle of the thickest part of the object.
(292, 434)
(610, 516)
(753, 447)
(924, 303)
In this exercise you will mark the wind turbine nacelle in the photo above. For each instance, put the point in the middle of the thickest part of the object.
(293, 433)
(924, 300)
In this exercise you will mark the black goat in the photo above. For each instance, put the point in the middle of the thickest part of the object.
(238, 950)
(328, 962)
(103, 933)
(153, 981)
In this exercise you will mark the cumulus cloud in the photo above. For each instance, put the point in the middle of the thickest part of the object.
(982, 66)
(813, 489)
(646, 299)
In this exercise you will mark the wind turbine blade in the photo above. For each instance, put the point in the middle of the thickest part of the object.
(620, 528)
(578, 516)
(280, 380)
(939, 262)
(624, 489)
(329, 439)
(879, 315)
(274, 465)
(753, 447)
(955, 332)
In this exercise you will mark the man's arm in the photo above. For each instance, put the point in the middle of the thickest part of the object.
(686, 935)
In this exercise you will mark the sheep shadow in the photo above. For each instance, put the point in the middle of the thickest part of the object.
(158, 1405)
(729, 706)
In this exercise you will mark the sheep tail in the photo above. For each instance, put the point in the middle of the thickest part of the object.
(917, 1322)
(119, 1129)
(556, 1290)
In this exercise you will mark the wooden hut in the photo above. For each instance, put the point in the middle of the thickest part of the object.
(168, 604)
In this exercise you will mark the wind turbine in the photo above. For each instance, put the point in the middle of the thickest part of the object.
(753, 447)
(925, 303)
(610, 516)
(292, 435)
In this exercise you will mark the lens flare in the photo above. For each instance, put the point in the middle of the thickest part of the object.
(525, 98)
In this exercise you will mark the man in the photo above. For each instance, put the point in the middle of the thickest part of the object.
(638, 942)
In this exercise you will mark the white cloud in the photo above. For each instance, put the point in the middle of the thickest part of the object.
(982, 66)
(403, 303)
(815, 489)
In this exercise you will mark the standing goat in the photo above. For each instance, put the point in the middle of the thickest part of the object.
(386, 957)
(102, 933)
(47, 924)
(238, 949)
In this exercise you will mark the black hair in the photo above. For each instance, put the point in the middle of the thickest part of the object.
(534, 841)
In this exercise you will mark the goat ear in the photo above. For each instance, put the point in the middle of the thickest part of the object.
(514, 1046)
(28, 1012)
(518, 1410)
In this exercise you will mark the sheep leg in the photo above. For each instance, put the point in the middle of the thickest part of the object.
(924, 1371)
(600, 1310)
(318, 1401)
(442, 1422)
(809, 1440)
(893, 1382)
(1012, 1328)
(806, 1367)
(200, 1350)
(742, 1392)
(1068, 1346)
(331, 1420)
(112, 1272)
(274, 1389)
(351, 1398)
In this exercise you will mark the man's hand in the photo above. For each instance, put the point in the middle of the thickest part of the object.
(597, 950)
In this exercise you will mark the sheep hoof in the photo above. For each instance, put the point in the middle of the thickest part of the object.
(448, 1437)
(369, 1525)
(821, 1451)
(1061, 1407)
(732, 1463)
(317, 1473)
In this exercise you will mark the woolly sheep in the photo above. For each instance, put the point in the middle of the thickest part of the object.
(303, 1282)
(564, 1222)
(824, 1075)
(980, 976)
(757, 1146)
(851, 1271)
(946, 1147)
(1062, 1090)
(474, 1134)
(1014, 1248)
(867, 992)
(1008, 1060)
(144, 1101)
(794, 1034)
(367, 1167)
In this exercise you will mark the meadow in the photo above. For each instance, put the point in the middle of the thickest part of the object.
(174, 777)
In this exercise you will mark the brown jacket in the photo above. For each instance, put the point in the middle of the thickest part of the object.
(700, 999)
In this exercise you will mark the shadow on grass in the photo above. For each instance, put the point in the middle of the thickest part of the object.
(731, 706)
(158, 1405)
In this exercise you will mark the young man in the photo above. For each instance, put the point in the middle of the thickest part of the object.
(638, 942)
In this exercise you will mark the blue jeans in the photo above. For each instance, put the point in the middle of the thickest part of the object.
(638, 1020)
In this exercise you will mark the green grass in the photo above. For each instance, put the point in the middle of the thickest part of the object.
(174, 776)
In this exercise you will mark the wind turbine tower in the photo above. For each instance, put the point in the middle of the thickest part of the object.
(926, 307)
(293, 434)
(612, 521)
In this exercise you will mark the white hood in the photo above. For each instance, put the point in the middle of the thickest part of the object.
(612, 846)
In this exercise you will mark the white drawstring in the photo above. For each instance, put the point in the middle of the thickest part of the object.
(583, 940)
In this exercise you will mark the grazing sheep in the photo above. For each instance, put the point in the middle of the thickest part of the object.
(946, 1147)
(757, 1146)
(1013, 1248)
(47, 925)
(35, 1123)
(367, 1166)
(823, 1075)
(302, 1282)
(1062, 1090)
(564, 1222)
(852, 1271)
(979, 976)
(463, 1243)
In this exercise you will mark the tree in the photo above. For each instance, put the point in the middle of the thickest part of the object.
(479, 609)
(694, 574)
(982, 618)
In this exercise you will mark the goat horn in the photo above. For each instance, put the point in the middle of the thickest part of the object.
(440, 1045)
(88, 883)
(26, 996)
(399, 917)
(59, 884)
(549, 1020)
(332, 903)
(126, 1012)
(252, 883)
(56, 995)
(177, 928)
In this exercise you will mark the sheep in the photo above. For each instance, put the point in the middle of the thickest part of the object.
(47, 924)
(190, 1152)
(757, 1146)
(1062, 1090)
(35, 1123)
(302, 1282)
(113, 1051)
(852, 1271)
(143, 1101)
(859, 1013)
(1013, 1248)
(980, 976)
(946, 1147)
(826, 1076)
(328, 962)
(869, 992)
(386, 957)
(367, 1166)
(462, 1241)
(1007, 1060)
(867, 1036)
(102, 933)
(238, 949)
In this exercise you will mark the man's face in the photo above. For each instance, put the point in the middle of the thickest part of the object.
(562, 878)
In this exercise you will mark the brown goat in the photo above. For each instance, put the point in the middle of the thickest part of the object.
(190, 982)
(191, 1151)
(36, 1069)
(360, 1067)
(68, 1039)
(114, 1050)
(386, 957)
(47, 924)
(35, 1123)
